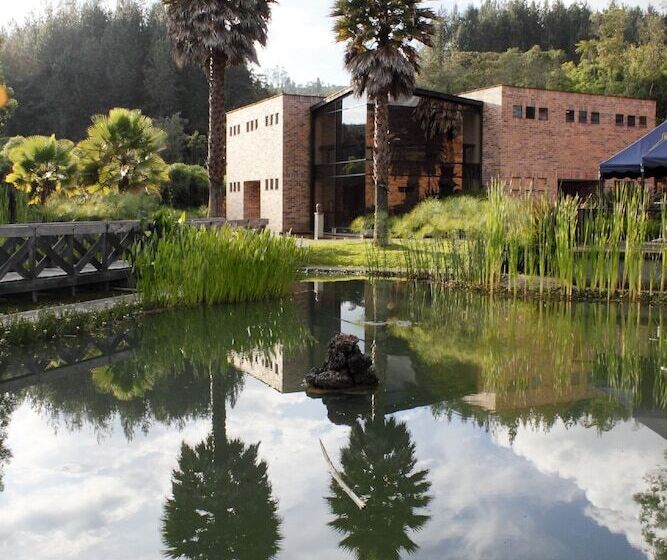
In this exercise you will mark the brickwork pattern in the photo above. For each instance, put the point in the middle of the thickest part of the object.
(296, 196)
(538, 154)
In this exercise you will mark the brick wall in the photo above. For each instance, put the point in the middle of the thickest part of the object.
(296, 196)
(538, 154)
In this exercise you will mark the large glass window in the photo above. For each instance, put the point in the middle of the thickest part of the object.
(340, 159)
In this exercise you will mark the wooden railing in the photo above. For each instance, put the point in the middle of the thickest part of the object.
(35, 257)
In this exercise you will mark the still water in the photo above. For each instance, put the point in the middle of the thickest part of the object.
(502, 430)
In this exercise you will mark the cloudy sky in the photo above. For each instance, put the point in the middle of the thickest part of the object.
(295, 23)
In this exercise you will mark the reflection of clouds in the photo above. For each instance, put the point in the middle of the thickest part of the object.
(72, 497)
(489, 503)
(609, 469)
(551, 496)
(68, 497)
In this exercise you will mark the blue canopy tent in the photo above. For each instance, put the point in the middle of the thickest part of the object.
(628, 163)
(654, 162)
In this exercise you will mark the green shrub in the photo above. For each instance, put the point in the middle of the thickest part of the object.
(113, 206)
(187, 187)
(189, 266)
(439, 217)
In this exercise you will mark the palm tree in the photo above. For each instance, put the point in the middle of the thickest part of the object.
(217, 34)
(381, 56)
(121, 153)
(42, 166)
(379, 464)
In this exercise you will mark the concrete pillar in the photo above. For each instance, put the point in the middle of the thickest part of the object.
(319, 222)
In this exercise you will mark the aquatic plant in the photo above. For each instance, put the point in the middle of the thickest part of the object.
(568, 246)
(189, 266)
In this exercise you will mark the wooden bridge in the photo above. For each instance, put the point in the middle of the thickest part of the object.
(38, 257)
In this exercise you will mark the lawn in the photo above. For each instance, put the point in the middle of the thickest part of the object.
(348, 253)
(353, 253)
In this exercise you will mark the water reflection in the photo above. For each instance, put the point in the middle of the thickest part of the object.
(570, 400)
(379, 462)
(221, 504)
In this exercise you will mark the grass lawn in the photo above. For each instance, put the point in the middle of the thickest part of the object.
(348, 252)
(352, 253)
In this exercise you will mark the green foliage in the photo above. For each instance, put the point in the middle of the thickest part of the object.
(112, 206)
(437, 217)
(174, 127)
(188, 266)
(42, 166)
(619, 51)
(531, 243)
(82, 58)
(187, 186)
(380, 43)
(121, 153)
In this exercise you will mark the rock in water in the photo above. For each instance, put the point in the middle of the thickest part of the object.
(345, 367)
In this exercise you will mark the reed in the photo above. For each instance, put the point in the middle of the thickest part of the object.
(188, 266)
(570, 244)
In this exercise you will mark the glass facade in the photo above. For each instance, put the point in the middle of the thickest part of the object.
(340, 159)
(435, 151)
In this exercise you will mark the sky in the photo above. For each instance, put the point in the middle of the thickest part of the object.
(295, 23)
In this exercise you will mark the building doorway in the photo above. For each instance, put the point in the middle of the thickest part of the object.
(251, 200)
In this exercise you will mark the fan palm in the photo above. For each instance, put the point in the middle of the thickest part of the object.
(121, 153)
(42, 166)
(379, 464)
(217, 34)
(221, 504)
(381, 56)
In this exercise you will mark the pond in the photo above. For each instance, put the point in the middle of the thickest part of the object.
(501, 430)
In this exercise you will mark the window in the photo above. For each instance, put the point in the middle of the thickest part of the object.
(266, 120)
(642, 122)
(276, 118)
(247, 127)
(270, 184)
(543, 114)
(595, 117)
(569, 115)
(256, 124)
(583, 116)
(266, 184)
(619, 119)
(276, 184)
(530, 112)
(517, 111)
(631, 120)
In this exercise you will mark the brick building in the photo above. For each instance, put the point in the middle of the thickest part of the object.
(551, 141)
(288, 153)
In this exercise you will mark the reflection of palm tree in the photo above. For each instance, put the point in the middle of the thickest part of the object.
(653, 513)
(7, 404)
(221, 505)
(379, 464)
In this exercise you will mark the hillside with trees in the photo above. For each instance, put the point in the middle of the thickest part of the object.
(618, 51)
(81, 60)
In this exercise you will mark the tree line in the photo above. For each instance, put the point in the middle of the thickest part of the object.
(617, 51)
(81, 60)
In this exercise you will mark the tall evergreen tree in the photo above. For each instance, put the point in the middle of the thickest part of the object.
(217, 34)
(381, 56)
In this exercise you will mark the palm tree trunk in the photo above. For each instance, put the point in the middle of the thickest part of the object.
(218, 403)
(217, 135)
(381, 169)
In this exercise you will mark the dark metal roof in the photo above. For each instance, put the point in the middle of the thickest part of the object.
(419, 92)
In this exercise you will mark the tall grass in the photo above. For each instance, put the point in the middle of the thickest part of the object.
(188, 266)
(567, 246)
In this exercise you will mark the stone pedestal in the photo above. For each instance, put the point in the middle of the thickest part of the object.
(319, 222)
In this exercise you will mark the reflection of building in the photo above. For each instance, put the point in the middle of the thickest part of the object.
(288, 153)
